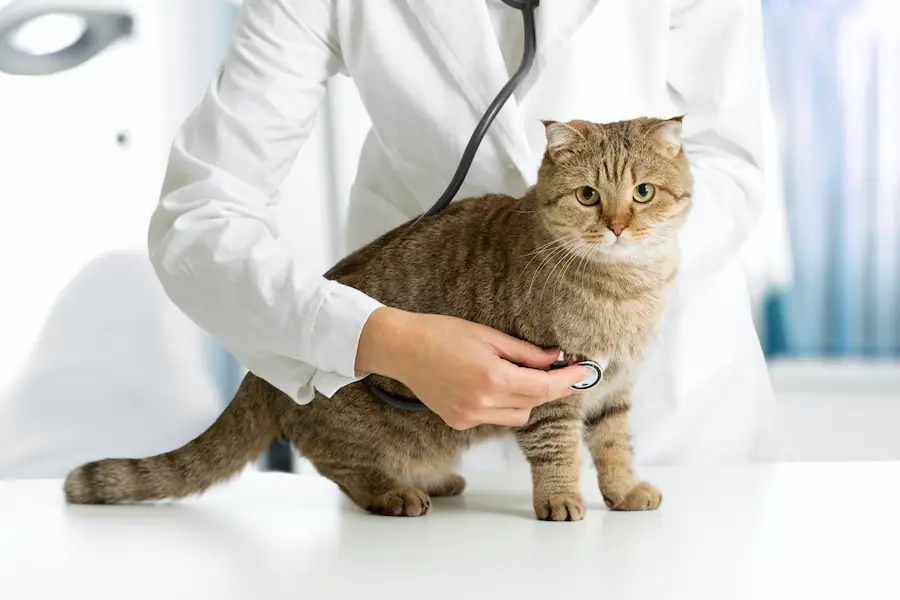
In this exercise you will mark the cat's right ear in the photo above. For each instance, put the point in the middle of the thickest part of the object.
(668, 134)
(560, 137)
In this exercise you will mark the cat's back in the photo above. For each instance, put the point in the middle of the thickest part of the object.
(438, 261)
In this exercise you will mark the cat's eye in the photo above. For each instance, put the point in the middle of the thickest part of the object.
(643, 192)
(587, 196)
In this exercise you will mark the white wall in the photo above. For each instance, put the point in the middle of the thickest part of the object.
(70, 192)
(93, 356)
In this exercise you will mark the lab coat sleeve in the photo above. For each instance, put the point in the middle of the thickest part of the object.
(212, 239)
(716, 74)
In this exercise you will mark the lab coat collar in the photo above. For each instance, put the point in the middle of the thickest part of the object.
(455, 29)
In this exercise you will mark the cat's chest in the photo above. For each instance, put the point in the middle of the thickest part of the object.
(617, 329)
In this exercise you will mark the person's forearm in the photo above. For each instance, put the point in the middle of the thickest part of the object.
(384, 336)
(239, 283)
(213, 239)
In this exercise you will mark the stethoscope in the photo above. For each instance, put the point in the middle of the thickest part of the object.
(103, 28)
(527, 8)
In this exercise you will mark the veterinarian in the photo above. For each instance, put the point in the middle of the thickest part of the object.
(426, 71)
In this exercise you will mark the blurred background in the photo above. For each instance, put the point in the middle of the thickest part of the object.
(84, 141)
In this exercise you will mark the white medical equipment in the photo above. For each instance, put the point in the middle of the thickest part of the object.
(92, 92)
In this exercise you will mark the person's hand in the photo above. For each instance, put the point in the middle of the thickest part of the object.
(463, 371)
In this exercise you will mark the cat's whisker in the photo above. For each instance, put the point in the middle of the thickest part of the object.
(545, 246)
(559, 254)
(586, 253)
(565, 268)
(561, 242)
(570, 256)
(549, 275)
(566, 244)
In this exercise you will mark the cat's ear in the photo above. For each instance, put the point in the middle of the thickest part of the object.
(668, 134)
(560, 136)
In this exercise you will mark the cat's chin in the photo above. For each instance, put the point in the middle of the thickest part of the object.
(623, 252)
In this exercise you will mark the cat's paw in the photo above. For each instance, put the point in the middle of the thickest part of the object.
(643, 496)
(403, 502)
(452, 485)
(560, 507)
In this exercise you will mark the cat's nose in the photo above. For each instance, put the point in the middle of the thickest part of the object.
(617, 228)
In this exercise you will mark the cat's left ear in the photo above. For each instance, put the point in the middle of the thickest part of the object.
(560, 136)
(668, 134)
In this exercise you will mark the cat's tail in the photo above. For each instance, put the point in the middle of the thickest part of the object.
(238, 436)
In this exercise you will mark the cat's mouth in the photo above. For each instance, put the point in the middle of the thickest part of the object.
(618, 246)
(610, 240)
(605, 245)
(613, 246)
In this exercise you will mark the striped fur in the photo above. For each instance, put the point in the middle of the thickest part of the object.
(543, 268)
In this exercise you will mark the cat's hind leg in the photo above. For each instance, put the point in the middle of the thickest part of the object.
(377, 493)
(449, 485)
(382, 461)
(351, 463)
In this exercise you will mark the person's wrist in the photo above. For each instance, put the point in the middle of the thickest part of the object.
(382, 342)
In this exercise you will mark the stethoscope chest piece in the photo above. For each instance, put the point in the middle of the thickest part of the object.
(591, 382)
(597, 368)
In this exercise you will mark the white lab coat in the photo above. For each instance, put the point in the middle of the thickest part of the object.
(425, 71)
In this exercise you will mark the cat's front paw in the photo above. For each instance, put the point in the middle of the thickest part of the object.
(560, 507)
(643, 496)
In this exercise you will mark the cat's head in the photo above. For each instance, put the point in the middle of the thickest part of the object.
(624, 188)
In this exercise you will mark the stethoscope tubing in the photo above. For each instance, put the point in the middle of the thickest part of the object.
(528, 52)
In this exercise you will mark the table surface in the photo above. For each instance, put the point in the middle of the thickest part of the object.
(769, 532)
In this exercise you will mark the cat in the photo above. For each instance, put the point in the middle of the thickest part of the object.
(583, 262)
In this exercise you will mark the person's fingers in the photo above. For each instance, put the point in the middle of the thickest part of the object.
(533, 387)
(523, 353)
(574, 374)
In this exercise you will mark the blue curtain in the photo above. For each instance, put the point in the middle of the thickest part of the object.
(834, 68)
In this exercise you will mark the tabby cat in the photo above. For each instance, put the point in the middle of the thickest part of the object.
(583, 262)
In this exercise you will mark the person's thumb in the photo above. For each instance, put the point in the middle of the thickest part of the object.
(524, 353)
(575, 374)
